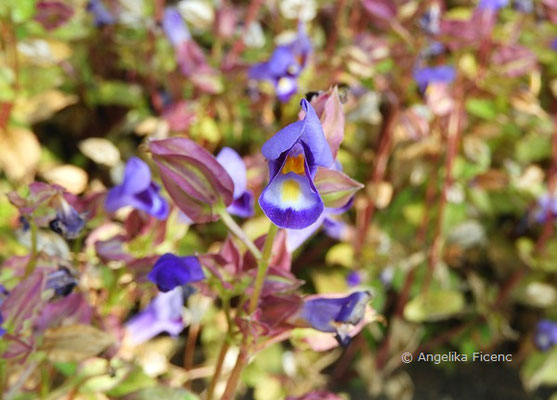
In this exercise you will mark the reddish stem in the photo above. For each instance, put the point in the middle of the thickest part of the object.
(239, 44)
(551, 183)
(367, 212)
(453, 138)
(333, 36)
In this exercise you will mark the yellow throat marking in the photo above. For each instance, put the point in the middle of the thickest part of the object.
(294, 164)
(290, 190)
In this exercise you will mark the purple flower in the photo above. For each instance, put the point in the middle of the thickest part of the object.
(290, 200)
(430, 21)
(171, 271)
(428, 75)
(137, 190)
(101, 14)
(3, 294)
(547, 207)
(554, 44)
(163, 314)
(68, 222)
(52, 14)
(284, 66)
(242, 205)
(2, 330)
(336, 314)
(175, 27)
(492, 5)
(546, 334)
(354, 278)
(61, 281)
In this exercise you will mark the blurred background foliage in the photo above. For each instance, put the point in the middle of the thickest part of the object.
(453, 231)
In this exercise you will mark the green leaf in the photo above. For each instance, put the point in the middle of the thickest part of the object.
(136, 380)
(162, 393)
(341, 254)
(540, 369)
(533, 147)
(335, 187)
(434, 305)
(481, 108)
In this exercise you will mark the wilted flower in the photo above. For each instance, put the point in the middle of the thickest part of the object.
(430, 21)
(242, 205)
(61, 281)
(335, 315)
(52, 14)
(171, 271)
(546, 334)
(163, 314)
(284, 66)
(101, 14)
(68, 222)
(290, 200)
(138, 191)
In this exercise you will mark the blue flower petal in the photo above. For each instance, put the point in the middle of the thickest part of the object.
(429, 75)
(164, 314)
(235, 167)
(137, 191)
(243, 205)
(101, 14)
(175, 27)
(308, 130)
(324, 314)
(290, 200)
(285, 88)
(171, 271)
(546, 334)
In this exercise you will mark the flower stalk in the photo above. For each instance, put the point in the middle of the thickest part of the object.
(238, 232)
(243, 356)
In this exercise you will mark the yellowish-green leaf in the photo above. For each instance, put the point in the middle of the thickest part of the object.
(434, 305)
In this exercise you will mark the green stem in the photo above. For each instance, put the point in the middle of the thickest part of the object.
(239, 232)
(243, 356)
(33, 260)
(262, 268)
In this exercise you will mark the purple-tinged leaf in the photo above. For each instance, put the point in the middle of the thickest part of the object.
(328, 107)
(335, 188)
(112, 250)
(383, 9)
(73, 309)
(193, 177)
(514, 61)
(24, 301)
